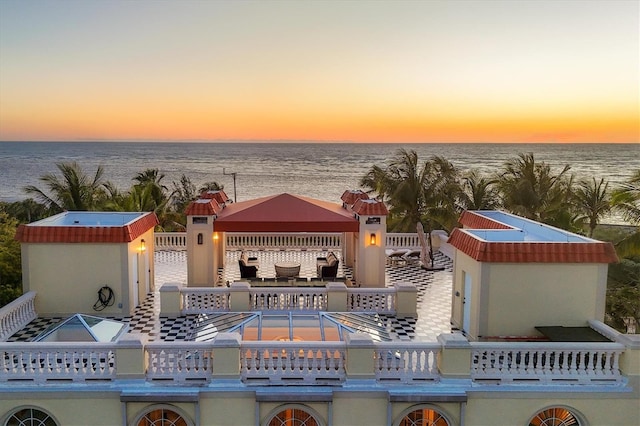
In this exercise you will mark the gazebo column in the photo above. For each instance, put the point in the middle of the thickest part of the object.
(370, 251)
(219, 247)
(349, 245)
(202, 264)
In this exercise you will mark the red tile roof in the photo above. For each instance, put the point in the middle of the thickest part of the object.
(350, 196)
(473, 220)
(532, 252)
(370, 207)
(285, 213)
(203, 207)
(220, 196)
(87, 234)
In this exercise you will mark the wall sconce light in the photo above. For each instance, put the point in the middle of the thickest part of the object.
(372, 239)
(200, 239)
(143, 245)
(215, 236)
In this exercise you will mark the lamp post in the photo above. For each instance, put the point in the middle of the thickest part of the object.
(233, 174)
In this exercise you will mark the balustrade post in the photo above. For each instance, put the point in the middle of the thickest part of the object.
(337, 297)
(630, 359)
(239, 299)
(170, 300)
(131, 360)
(226, 356)
(406, 300)
(360, 356)
(454, 359)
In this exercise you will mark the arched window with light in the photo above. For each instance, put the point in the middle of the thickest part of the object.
(557, 416)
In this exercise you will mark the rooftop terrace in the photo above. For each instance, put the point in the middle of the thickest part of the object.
(434, 299)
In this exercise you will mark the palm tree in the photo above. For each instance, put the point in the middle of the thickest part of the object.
(479, 192)
(74, 191)
(532, 190)
(152, 178)
(442, 194)
(211, 186)
(592, 201)
(626, 200)
(414, 193)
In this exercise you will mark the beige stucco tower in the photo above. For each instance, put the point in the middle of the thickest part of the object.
(370, 256)
(205, 250)
(202, 264)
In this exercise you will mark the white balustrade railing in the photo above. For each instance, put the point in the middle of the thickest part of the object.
(170, 240)
(288, 362)
(15, 315)
(407, 362)
(204, 300)
(293, 241)
(288, 299)
(402, 241)
(179, 361)
(379, 300)
(44, 361)
(546, 362)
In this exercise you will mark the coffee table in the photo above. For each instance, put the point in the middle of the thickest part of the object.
(287, 269)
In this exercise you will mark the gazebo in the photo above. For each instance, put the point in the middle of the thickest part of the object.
(362, 224)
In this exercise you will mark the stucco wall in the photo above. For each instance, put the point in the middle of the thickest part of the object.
(465, 264)
(502, 408)
(67, 277)
(348, 408)
(522, 296)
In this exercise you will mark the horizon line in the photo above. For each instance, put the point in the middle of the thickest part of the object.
(304, 141)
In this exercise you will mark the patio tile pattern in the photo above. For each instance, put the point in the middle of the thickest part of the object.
(434, 296)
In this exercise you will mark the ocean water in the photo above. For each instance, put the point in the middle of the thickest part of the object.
(322, 171)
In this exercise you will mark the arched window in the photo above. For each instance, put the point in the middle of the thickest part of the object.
(424, 416)
(293, 415)
(555, 416)
(162, 415)
(30, 416)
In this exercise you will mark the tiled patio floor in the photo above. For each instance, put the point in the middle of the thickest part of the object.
(434, 296)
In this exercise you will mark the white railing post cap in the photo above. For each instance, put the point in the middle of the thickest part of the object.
(454, 340)
(170, 287)
(409, 287)
(239, 286)
(131, 341)
(227, 340)
(358, 340)
(336, 286)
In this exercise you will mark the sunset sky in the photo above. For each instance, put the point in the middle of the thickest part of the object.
(415, 71)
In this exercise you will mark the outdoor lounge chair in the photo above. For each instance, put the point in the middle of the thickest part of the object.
(396, 256)
(327, 267)
(248, 266)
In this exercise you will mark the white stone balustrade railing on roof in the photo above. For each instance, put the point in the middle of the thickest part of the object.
(294, 241)
(197, 300)
(181, 361)
(407, 362)
(278, 241)
(287, 299)
(379, 300)
(18, 313)
(170, 240)
(402, 241)
(303, 362)
(546, 362)
(538, 363)
(44, 361)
